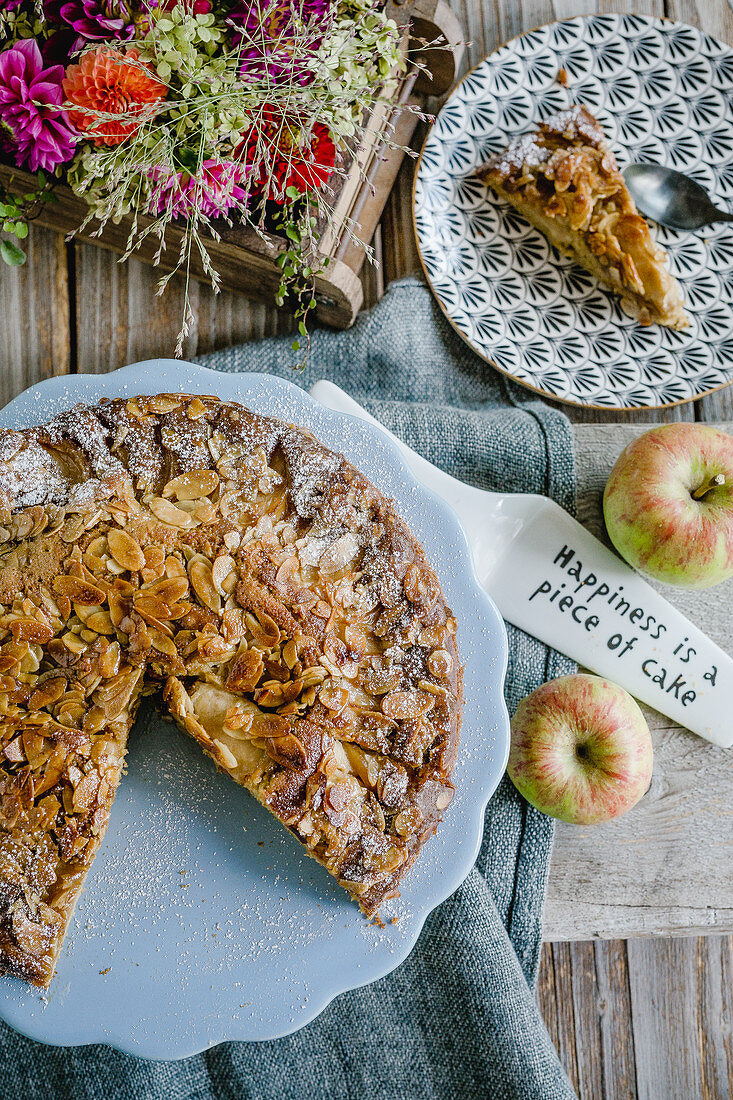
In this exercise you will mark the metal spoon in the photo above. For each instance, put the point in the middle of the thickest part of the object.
(671, 198)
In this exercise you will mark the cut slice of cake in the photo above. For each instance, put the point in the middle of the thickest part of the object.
(565, 180)
(269, 594)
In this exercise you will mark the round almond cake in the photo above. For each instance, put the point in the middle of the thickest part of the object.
(269, 595)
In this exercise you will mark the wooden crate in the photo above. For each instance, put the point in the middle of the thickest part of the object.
(242, 259)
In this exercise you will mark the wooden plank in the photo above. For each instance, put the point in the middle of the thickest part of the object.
(714, 1012)
(588, 1045)
(34, 305)
(647, 1018)
(566, 1037)
(614, 1009)
(664, 993)
(663, 866)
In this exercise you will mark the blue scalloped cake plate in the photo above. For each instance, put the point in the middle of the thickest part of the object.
(663, 92)
(202, 919)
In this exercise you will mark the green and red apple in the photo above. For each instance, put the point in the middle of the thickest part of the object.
(668, 504)
(580, 749)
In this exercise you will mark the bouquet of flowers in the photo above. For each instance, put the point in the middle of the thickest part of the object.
(192, 112)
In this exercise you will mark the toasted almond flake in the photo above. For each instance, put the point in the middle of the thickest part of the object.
(440, 662)
(224, 567)
(290, 653)
(126, 550)
(80, 591)
(101, 623)
(30, 630)
(164, 403)
(170, 589)
(14, 751)
(168, 513)
(162, 643)
(196, 409)
(200, 575)
(225, 754)
(193, 485)
(405, 705)
(334, 697)
(72, 643)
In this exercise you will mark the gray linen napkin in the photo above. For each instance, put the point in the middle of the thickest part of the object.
(458, 1018)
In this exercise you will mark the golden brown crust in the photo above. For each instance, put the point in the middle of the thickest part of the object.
(563, 178)
(290, 617)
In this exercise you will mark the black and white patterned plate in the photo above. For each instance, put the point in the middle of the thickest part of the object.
(663, 92)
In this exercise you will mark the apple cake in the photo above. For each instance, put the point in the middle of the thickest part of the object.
(270, 595)
(563, 178)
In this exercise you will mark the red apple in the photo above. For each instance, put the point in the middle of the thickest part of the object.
(581, 749)
(668, 504)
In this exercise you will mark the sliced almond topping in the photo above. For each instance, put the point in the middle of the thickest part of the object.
(162, 643)
(404, 705)
(224, 575)
(246, 671)
(29, 630)
(167, 512)
(82, 592)
(333, 697)
(200, 575)
(225, 754)
(14, 751)
(191, 486)
(126, 550)
(440, 662)
(164, 403)
(101, 623)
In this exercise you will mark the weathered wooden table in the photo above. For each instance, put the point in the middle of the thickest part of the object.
(648, 1015)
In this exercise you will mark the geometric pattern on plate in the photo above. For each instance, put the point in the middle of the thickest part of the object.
(662, 93)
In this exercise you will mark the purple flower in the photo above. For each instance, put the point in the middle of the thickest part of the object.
(9, 5)
(92, 20)
(30, 102)
(216, 191)
(273, 36)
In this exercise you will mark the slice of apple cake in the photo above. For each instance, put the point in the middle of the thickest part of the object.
(563, 178)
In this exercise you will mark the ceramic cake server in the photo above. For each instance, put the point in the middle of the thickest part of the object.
(556, 581)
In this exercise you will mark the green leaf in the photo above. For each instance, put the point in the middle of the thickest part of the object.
(12, 254)
(21, 230)
(295, 345)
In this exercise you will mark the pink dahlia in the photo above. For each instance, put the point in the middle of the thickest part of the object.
(214, 192)
(30, 108)
(274, 35)
(91, 20)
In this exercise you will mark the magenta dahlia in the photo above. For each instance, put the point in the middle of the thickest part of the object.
(215, 191)
(91, 20)
(275, 36)
(30, 108)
